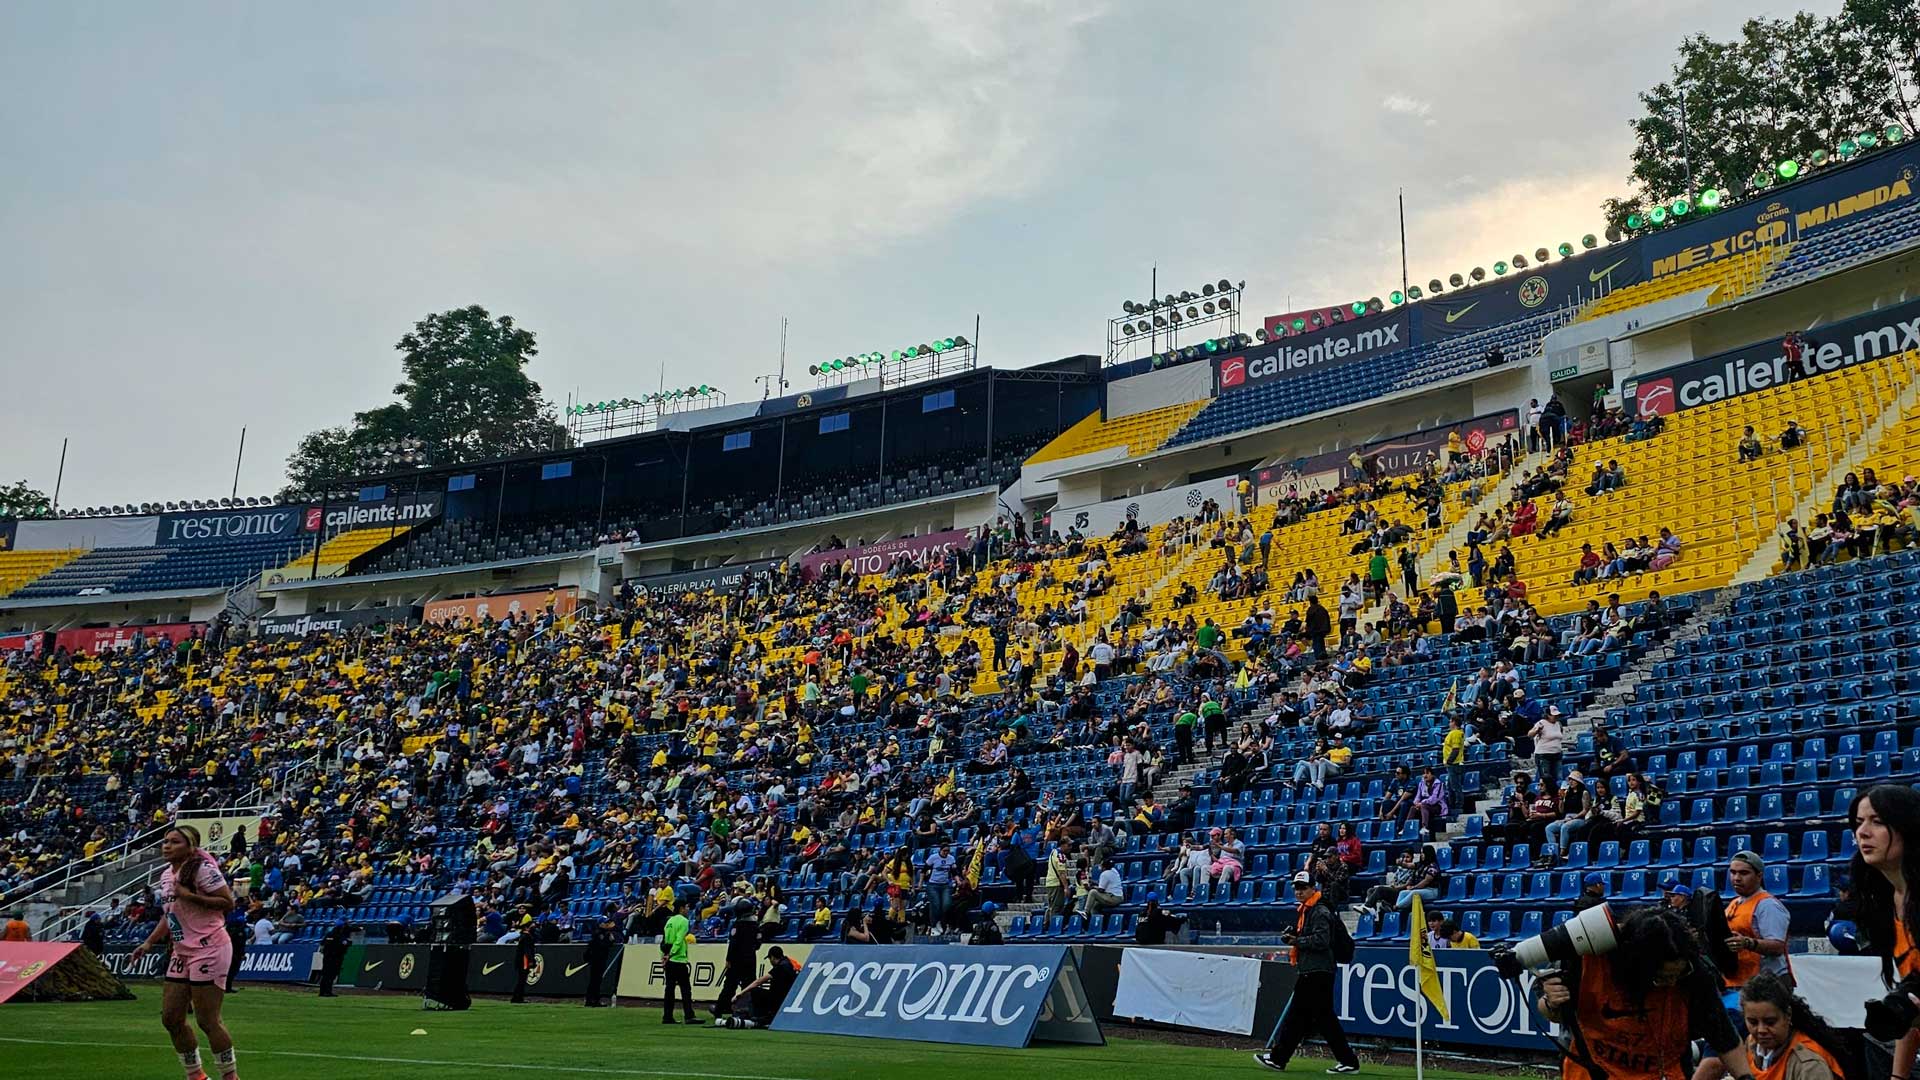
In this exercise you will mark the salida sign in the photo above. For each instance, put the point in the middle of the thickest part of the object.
(1003, 995)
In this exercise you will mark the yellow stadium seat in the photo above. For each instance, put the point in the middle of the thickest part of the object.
(1139, 433)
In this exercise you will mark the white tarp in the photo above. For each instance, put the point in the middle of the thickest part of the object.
(1838, 987)
(1158, 389)
(58, 534)
(1152, 508)
(1186, 989)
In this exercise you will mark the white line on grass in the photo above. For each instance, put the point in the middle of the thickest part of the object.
(425, 1061)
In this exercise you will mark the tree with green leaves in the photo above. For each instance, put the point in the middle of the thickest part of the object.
(1783, 88)
(464, 395)
(17, 500)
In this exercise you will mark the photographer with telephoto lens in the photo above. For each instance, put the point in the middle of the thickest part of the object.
(1885, 865)
(1632, 996)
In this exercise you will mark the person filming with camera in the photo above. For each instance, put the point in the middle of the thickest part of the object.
(1885, 866)
(1633, 996)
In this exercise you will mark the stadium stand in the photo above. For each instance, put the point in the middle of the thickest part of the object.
(1866, 235)
(1729, 279)
(1139, 433)
(343, 548)
(17, 568)
(151, 569)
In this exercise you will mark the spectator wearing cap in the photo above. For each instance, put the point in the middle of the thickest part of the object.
(1593, 891)
(1756, 922)
(1310, 1010)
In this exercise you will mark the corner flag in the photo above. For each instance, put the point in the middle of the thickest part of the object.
(1420, 955)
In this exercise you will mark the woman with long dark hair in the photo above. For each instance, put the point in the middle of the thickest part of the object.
(194, 898)
(1635, 1011)
(1785, 1040)
(1886, 861)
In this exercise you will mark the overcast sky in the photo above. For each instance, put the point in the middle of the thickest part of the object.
(217, 215)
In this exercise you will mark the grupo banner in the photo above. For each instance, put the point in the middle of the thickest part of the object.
(99, 639)
(1379, 994)
(1859, 340)
(876, 558)
(643, 973)
(502, 606)
(294, 627)
(1002, 995)
(191, 527)
(1336, 345)
(1150, 508)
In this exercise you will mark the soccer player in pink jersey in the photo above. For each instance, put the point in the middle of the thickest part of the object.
(195, 898)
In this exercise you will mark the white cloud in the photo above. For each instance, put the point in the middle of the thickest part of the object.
(1402, 105)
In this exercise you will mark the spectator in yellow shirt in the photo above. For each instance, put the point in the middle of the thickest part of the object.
(1453, 755)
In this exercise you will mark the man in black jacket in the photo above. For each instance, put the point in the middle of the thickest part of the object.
(1318, 625)
(333, 954)
(599, 954)
(743, 955)
(1310, 1010)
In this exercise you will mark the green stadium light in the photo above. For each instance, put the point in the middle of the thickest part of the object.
(1397, 297)
(1894, 133)
(1635, 221)
(1848, 148)
(1817, 158)
(1788, 169)
(1680, 206)
(1500, 267)
(1867, 140)
(837, 365)
(1565, 249)
(1359, 307)
(1589, 241)
(1299, 325)
(1414, 293)
(1659, 215)
(1710, 199)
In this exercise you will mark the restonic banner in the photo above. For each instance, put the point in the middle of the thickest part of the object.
(1001, 995)
(1859, 340)
(1379, 994)
(217, 526)
(1337, 345)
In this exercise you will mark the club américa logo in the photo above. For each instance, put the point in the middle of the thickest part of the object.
(1533, 291)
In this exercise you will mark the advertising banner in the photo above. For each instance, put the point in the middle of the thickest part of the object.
(21, 962)
(558, 970)
(1336, 345)
(1881, 182)
(214, 526)
(72, 534)
(643, 974)
(119, 960)
(876, 558)
(394, 967)
(1535, 290)
(1152, 508)
(1379, 993)
(724, 579)
(1395, 455)
(7, 526)
(217, 830)
(398, 512)
(278, 963)
(30, 643)
(294, 627)
(502, 606)
(1000, 995)
(1859, 340)
(99, 639)
(1188, 989)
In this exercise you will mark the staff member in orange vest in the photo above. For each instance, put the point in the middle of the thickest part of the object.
(1886, 820)
(1757, 935)
(1785, 1040)
(1633, 1012)
(1310, 1010)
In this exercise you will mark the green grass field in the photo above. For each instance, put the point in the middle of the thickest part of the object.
(286, 1035)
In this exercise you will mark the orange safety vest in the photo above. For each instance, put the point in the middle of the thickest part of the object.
(1905, 960)
(1778, 1070)
(1740, 921)
(1644, 1042)
(1299, 927)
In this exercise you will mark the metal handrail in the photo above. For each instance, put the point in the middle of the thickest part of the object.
(61, 876)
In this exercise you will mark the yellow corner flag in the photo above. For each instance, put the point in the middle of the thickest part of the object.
(1420, 955)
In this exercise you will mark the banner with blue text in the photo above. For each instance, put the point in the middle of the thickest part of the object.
(1379, 994)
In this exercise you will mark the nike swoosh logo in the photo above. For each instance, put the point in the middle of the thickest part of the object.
(1452, 315)
(574, 969)
(488, 969)
(370, 967)
(1594, 276)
